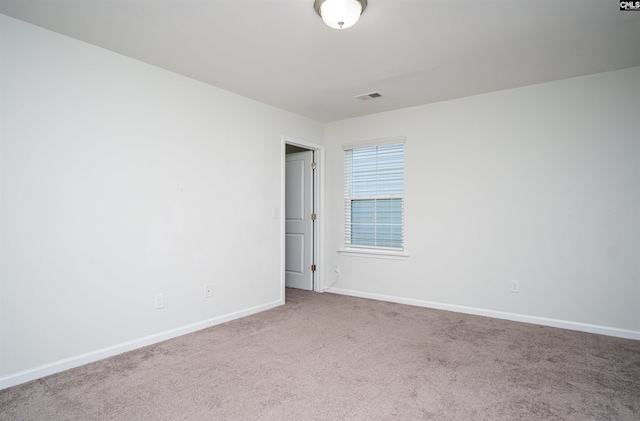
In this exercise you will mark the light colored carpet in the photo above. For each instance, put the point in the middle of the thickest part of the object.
(332, 357)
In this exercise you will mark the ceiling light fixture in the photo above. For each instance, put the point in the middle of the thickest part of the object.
(340, 14)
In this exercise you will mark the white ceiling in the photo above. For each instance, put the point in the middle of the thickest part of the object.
(412, 51)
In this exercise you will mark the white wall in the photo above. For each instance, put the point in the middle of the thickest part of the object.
(539, 184)
(121, 180)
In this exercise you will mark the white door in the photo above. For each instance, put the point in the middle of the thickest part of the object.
(298, 220)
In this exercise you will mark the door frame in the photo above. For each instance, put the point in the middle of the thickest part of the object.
(318, 204)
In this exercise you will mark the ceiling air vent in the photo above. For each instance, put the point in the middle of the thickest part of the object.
(370, 95)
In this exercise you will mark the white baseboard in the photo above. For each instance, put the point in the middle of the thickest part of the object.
(544, 321)
(78, 360)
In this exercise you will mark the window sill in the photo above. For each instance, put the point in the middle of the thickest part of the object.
(376, 254)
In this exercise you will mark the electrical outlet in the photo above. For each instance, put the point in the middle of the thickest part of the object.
(208, 293)
(336, 268)
(515, 285)
(159, 301)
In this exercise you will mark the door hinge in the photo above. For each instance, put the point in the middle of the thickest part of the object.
(313, 268)
(313, 216)
(313, 165)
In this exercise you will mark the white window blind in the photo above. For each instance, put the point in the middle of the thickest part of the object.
(374, 196)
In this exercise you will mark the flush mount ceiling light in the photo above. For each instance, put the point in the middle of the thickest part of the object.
(340, 14)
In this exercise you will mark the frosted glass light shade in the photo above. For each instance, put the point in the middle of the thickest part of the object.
(340, 14)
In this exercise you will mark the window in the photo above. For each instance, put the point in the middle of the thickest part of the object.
(374, 196)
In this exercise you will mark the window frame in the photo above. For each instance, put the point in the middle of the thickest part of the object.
(359, 250)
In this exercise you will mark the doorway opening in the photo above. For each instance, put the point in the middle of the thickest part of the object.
(302, 164)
